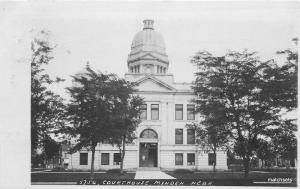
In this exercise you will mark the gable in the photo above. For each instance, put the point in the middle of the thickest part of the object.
(149, 85)
(152, 84)
(148, 56)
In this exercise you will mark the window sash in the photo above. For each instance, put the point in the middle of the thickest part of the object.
(191, 112)
(117, 158)
(143, 115)
(154, 112)
(178, 136)
(191, 159)
(83, 158)
(178, 159)
(178, 111)
(104, 158)
(190, 136)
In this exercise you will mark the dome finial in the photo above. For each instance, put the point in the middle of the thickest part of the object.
(148, 24)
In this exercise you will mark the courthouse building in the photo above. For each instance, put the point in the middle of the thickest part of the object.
(163, 140)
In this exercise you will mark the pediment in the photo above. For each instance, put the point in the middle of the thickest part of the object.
(150, 83)
(148, 56)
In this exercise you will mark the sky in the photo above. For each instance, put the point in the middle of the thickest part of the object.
(102, 32)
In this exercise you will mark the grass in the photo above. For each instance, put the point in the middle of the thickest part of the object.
(38, 169)
(221, 177)
(231, 175)
(74, 177)
(271, 169)
(235, 178)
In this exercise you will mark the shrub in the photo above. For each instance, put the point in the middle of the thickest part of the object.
(185, 171)
(58, 169)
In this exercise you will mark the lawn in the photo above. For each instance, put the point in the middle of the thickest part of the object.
(234, 176)
(74, 177)
(261, 176)
(219, 178)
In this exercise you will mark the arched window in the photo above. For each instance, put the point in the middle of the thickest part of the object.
(148, 133)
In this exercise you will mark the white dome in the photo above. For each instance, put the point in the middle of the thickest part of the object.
(148, 47)
(148, 40)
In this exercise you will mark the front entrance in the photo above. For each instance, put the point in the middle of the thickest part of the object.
(148, 154)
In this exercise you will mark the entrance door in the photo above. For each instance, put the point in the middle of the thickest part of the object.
(148, 154)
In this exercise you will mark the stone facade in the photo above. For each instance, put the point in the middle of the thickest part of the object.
(148, 67)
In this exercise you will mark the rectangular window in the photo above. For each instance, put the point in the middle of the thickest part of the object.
(178, 111)
(178, 159)
(211, 159)
(143, 115)
(83, 158)
(154, 112)
(190, 159)
(190, 136)
(178, 136)
(104, 158)
(117, 158)
(191, 111)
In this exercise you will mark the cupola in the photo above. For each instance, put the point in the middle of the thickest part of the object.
(148, 52)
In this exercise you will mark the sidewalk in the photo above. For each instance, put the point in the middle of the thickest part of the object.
(152, 175)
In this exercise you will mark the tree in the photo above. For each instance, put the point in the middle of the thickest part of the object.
(102, 109)
(47, 108)
(125, 119)
(212, 130)
(247, 90)
(265, 151)
(287, 78)
(284, 138)
(50, 148)
(90, 109)
(285, 141)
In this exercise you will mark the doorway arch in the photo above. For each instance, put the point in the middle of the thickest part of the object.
(148, 134)
(148, 148)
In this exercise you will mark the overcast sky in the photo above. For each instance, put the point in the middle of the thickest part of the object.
(102, 32)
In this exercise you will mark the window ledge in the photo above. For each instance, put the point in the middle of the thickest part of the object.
(154, 120)
(179, 120)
